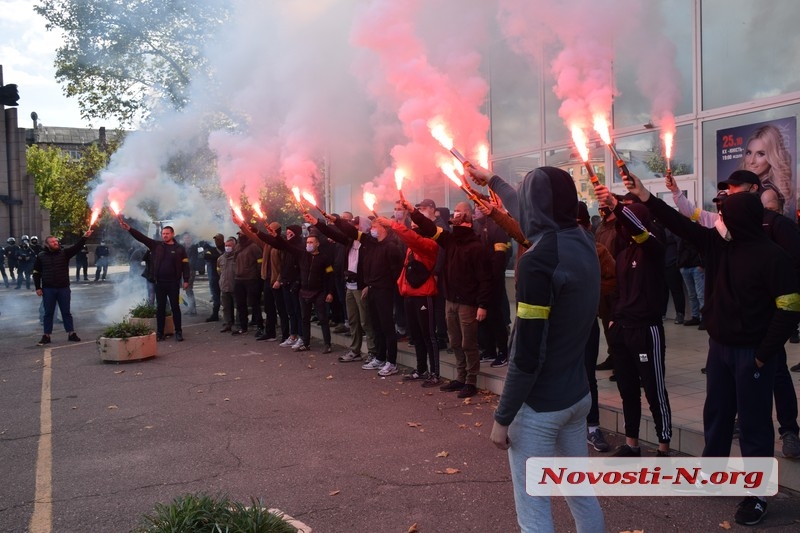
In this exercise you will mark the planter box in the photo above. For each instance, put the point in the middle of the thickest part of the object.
(169, 325)
(130, 349)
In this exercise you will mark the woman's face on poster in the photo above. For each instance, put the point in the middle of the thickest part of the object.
(756, 158)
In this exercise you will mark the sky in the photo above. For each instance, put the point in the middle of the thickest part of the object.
(27, 52)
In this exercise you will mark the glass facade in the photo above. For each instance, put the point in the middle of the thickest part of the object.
(733, 73)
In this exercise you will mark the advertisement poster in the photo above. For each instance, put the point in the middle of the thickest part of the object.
(768, 149)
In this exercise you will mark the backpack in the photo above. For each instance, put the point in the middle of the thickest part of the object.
(416, 273)
(147, 272)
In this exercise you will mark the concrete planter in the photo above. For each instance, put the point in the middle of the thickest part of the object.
(130, 349)
(169, 325)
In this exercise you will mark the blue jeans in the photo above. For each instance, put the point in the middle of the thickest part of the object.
(552, 434)
(62, 297)
(695, 280)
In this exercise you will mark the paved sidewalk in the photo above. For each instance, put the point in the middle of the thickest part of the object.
(335, 446)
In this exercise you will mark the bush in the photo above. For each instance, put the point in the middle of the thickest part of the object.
(201, 513)
(123, 330)
(145, 309)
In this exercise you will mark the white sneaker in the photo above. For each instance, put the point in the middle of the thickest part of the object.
(350, 357)
(373, 364)
(298, 343)
(289, 342)
(388, 369)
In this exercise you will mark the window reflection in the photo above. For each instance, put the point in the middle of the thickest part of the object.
(644, 154)
(749, 50)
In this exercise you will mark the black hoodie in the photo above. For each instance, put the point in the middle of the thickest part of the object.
(558, 290)
(751, 290)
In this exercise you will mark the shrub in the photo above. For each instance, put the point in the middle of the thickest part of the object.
(201, 513)
(145, 309)
(123, 330)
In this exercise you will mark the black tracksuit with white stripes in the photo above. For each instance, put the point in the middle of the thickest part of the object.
(637, 333)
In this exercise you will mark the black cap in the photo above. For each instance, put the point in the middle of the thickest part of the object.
(740, 177)
(427, 202)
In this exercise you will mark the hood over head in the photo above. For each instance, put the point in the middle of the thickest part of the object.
(743, 215)
(642, 213)
(548, 201)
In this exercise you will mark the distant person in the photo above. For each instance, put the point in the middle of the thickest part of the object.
(211, 254)
(51, 279)
(191, 253)
(101, 255)
(25, 259)
(82, 263)
(170, 264)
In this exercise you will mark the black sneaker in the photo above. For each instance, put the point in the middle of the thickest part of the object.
(73, 337)
(44, 340)
(499, 361)
(467, 391)
(416, 375)
(694, 321)
(750, 511)
(627, 451)
(453, 386)
(179, 336)
(213, 318)
(597, 440)
(608, 364)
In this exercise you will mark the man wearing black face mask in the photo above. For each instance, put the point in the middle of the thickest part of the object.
(752, 305)
(467, 288)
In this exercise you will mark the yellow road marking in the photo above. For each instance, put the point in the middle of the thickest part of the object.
(42, 519)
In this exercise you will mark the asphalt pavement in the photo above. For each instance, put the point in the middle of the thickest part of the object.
(92, 446)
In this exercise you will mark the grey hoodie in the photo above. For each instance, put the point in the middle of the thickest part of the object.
(558, 290)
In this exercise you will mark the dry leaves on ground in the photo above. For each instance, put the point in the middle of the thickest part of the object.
(329, 376)
(412, 528)
(413, 424)
(112, 406)
(449, 471)
(333, 492)
(119, 371)
(220, 373)
(442, 454)
(725, 525)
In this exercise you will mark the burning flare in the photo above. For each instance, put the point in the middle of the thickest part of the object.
(369, 201)
(483, 155)
(115, 208)
(310, 198)
(258, 211)
(296, 192)
(399, 176)
(582, 144)
(668, 138)
(95, 215)
(439, 132)
(236, 210)
(601, 127)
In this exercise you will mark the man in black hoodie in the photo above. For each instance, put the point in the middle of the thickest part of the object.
(751, 308)
(51, 279)
(545, 400)
(468, 291)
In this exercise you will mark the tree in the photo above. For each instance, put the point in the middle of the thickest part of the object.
(117, 56)
(62, 184)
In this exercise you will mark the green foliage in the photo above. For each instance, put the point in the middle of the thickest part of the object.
(201, 513)
(145, 309)
(119, 56)
(123, 330)
(62, 183)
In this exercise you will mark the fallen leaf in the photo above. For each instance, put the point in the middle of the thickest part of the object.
(422, 430)
(449, 471)
(462, 426)
(334, 493)
(119, 371)
(310, 366)
(138, 374)
(148, 427)
(725, 525)
(413, 424)
(385, 393)
(442, 454)
(226, 399)
(74, 407)
(112, 407)
(478, 424)
(220, 373)
(466, 401)
(237, 378)
(467, 414)
(199, 392)
(412, 528)
(329, 377)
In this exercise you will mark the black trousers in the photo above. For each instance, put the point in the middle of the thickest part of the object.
(168, 290)
(421, 321)
(247, 293)
(270, 310)
(381, 307)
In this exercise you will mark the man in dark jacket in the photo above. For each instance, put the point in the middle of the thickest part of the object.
(545, 400)
(752, 305)
(51, 278)
(467, 286)
(170, 264)
(211, 253)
